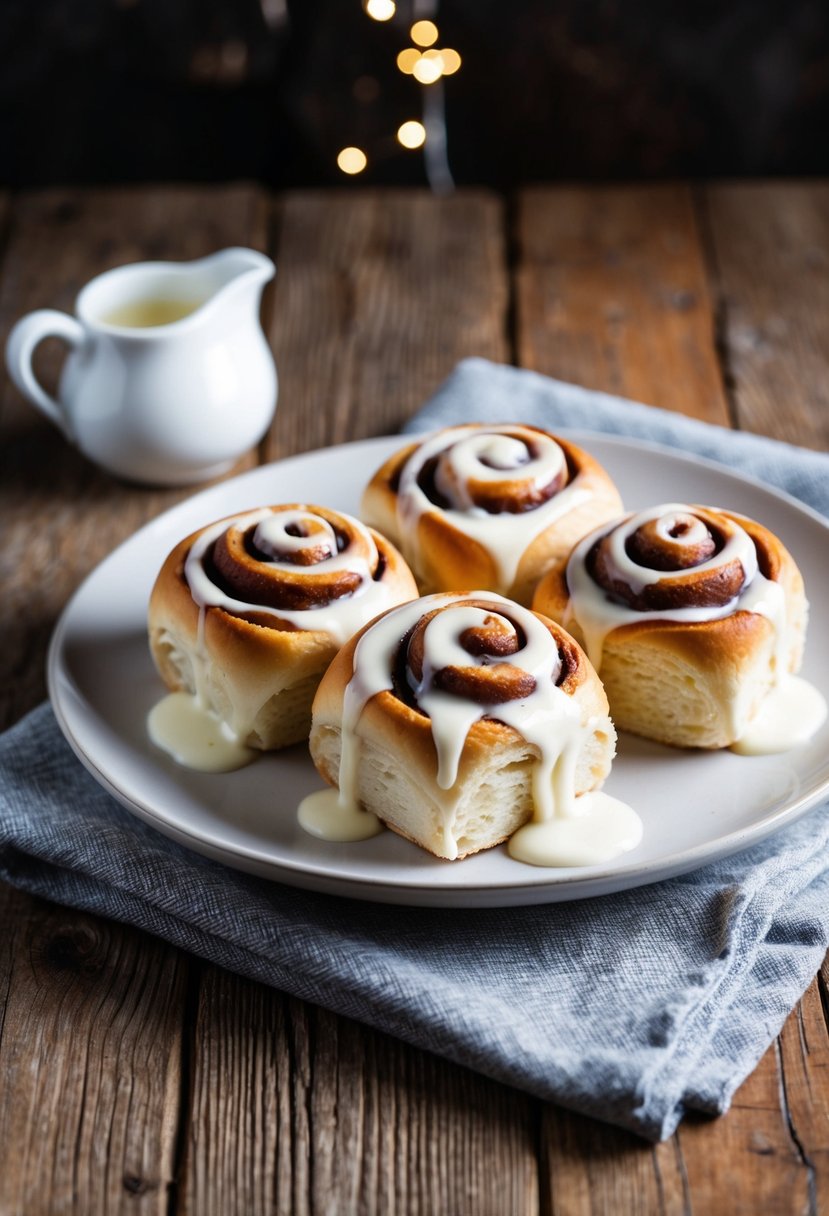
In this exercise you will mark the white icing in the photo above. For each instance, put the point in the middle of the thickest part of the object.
(601, 829)
(485, 455)
(597, 614)
(182, 725)
(738, 547)
(340, 618)
(322, 815)
(791, 711)
(788, 716)
(547, 718)
(202, 734)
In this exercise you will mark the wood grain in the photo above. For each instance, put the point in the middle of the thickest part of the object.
(372, 310)
(747, 1160)
(593, 1168)
(119, 1055)
(296, 1110)
(771, 246)
(378, 295)
(804, 1066)
(90, 1048)
(612, 292)
(60, 514)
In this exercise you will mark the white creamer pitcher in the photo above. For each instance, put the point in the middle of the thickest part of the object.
(169, 378)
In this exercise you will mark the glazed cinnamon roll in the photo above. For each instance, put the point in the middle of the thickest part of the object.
(691, 616)
(247, 613)
(488, 506)
(456, 719)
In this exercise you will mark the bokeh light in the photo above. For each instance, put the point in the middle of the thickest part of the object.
(411, 134)
(352, 160)
(380, 10)
(451, 61)
(424, 33)
(407, 59)
(429, 67)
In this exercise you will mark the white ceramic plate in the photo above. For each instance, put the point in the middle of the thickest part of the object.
(696, 806)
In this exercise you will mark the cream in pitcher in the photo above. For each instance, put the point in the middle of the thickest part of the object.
(169, 377)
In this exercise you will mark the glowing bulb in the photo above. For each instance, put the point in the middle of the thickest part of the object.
(352, 160)
(429, 67)
(380, 10)
(451, 61)
(424, 33)
(407, 59)
(412, 134)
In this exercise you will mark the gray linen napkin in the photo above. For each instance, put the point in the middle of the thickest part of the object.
(634, 1008)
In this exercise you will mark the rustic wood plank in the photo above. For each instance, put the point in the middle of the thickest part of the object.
(748, 1158)
(612, 293)
(296, 1110)
(91, 1036)
(378, 295)
(804, 1062)
(90, 1050)
(58, 241)
(771, 246)
(592, 1168)
(369, 315)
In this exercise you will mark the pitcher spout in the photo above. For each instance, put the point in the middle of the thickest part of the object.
(236, 264)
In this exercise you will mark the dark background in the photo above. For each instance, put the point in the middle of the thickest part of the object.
(131, 90)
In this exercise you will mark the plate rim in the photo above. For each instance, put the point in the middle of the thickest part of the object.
(538, 886)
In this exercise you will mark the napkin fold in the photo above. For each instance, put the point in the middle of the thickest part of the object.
(634, 1008)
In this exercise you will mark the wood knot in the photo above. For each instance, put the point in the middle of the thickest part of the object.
(137, 1186)
(75, 947)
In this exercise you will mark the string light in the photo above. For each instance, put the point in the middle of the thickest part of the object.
(352, 160)
(451, 61)
(424, 33)
(427, 67)
(380, 10)
(407, 59)
(411, 134)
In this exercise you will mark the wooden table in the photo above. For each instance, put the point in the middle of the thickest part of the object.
(134, 1078)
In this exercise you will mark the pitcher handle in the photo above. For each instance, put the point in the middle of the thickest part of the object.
(24, 337)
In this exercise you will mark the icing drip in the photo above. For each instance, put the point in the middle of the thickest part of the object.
(597, 613)
(332, 569)
(472, 466)
(791, 710)
(545, 716)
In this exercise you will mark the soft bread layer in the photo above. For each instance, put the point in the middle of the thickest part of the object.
(444, 558)
(258, 679)
(492, 796)
(696, 684)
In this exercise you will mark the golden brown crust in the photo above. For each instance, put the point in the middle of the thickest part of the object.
(445, 557)
(721, 668)
(250, 660)
(398, 730)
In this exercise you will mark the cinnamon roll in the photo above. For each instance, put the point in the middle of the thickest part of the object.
(457, 719)
(247, 613)
(691, 615)
(488, 506)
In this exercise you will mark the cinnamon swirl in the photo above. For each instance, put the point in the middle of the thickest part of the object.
(488, 506)
(247, 613)
(691, 615)
(457, 719)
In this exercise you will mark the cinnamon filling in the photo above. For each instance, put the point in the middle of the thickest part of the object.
(491, 681)
(511, 494)
(676, 553)
(256, 581)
